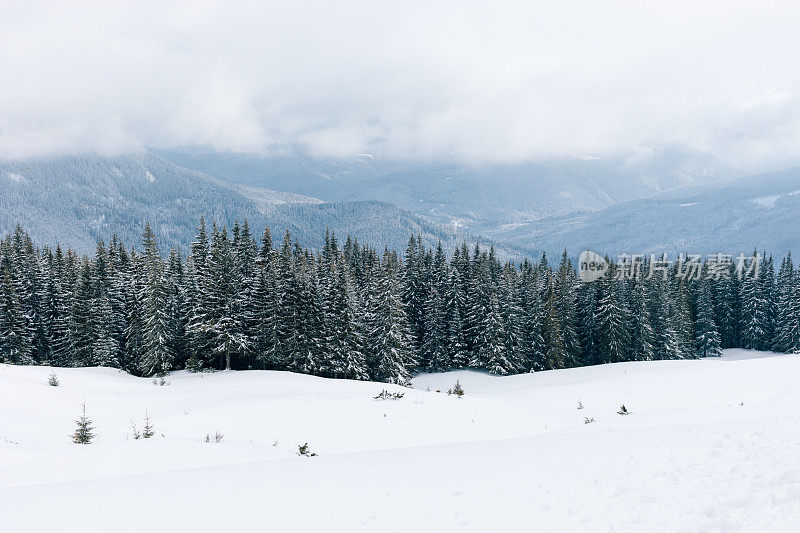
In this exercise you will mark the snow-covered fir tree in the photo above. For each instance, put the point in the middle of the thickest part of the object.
(390, 337)
(707, 337)
(346, 311)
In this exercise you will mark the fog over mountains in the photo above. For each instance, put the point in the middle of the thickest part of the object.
(74, 201)
(479, 197)
(666, 199)
(757, 212)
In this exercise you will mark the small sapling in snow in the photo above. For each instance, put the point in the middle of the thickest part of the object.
(147, 431)
(52, 380)
(215, 438)
(305, 451)
(161, 381)
(136, 434)
(386, 395)
(457, 390)
(84, 432)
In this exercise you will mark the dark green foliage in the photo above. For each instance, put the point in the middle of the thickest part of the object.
(457, 390)
(147, 430)
(305, 450)
(352, 313)
(84, 433)
(709, 342)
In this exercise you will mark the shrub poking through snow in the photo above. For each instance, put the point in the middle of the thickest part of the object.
(623, 410)
(386, 395)
(587, 420)
(160, 381)
(147, 431)
(215, 438)
(83, 433)
(457, 390)
(580, 404)
(52, 380)
(305, 451)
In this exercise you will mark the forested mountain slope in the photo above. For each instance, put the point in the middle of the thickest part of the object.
(480, 197)
(76, 200)
(761, 211)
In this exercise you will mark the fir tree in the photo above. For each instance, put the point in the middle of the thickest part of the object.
(707, 338)
(391, 341)
(754, 316)
(80, 329)
(84, 433)
(346, 341)
(156, 356)
(15, 345)
(148, 431)
(490, 348)
(610, 318)
(641, 335)
(566, 305)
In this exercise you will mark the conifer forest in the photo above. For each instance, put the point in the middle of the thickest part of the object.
(353, 311)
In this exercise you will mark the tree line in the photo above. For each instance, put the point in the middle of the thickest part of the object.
(348, 311)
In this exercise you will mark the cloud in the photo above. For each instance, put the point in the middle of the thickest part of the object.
(483, 80)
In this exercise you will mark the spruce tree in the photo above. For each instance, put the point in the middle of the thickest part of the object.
(610, 317)
(490, 348)
(81, 330)
(435, 353)
(15, 345)
(84, 433)
(641, 335)
(565, 288)
(391, 341)
(707, 338)
(346, 342)
(753, 318)
(532, 343)
(786, 326)
(156, 357)
(555, 349)
(56, 317)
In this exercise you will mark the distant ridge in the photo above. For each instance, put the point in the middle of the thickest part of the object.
(74, 200)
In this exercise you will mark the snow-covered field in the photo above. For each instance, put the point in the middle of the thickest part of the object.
(711, 445)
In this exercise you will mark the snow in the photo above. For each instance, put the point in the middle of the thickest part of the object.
(770, 200)
(711, 445)
(150, 177)
(767, 201)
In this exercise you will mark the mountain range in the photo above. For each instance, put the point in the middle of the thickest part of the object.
(480, 198)
(664, 199)
(76, 200)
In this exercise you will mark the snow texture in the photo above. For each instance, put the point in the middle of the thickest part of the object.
(711, 445)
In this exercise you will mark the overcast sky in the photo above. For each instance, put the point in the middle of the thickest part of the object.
(485, 80)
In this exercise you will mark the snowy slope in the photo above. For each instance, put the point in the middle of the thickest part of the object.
(712, 445)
